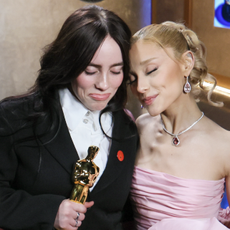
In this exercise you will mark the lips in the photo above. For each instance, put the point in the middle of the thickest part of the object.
(149, 100)
(99, 97)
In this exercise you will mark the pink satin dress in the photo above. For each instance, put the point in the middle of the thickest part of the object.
(165, 202)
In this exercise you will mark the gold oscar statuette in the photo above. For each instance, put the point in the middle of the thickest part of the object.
(84, 175)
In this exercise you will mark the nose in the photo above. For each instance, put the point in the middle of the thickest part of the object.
(142, 84)
(102, 82)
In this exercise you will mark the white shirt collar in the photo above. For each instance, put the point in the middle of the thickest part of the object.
(74, 112)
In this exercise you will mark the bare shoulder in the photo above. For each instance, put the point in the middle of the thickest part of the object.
(216, 130)
(146, 121)
(218, 136)
(220, 144)
(148, 127)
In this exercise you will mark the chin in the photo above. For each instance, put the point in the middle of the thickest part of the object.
(153, 112)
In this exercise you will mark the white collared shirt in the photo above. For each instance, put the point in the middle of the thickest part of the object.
(85, 129)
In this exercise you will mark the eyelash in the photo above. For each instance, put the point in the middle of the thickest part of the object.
(132, 82)
(116, 72)
(151, 71)
(92, 73)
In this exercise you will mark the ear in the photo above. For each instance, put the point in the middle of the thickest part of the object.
(188, 62)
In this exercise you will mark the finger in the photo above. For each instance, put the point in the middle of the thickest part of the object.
(78, 215)
(81, 217)
(89, 204)
(76, 223)
(79, 207)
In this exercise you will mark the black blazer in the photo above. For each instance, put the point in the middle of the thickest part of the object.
(34, 181)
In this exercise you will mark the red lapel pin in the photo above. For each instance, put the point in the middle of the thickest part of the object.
(120, 155)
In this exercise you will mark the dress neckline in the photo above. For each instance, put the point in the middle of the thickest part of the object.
(167, 175)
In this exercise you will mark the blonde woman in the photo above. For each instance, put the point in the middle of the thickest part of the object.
(183, 159)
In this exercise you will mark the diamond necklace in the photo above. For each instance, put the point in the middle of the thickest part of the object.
(175, 139)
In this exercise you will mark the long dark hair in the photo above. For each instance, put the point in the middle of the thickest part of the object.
(69, 55)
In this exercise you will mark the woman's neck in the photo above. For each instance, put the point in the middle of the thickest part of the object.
(178, 118)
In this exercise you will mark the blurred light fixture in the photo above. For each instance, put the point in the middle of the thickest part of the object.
(91, 1)
(218, 89)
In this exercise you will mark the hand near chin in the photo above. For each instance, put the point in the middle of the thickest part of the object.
(71, 214)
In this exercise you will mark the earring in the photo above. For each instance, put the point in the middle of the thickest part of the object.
(142, 106)
(187, 86)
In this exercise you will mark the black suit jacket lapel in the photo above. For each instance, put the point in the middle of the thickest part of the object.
(114, 165)
(62, 147)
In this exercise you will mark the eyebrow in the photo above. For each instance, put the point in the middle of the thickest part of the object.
(142, 63)
(148, 60)
(99, 66)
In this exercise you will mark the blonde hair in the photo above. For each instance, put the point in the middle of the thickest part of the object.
(181, 39)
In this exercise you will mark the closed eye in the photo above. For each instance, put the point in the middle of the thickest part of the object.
(117, 69)
(90, 72)
(151, 71)
(116, 72)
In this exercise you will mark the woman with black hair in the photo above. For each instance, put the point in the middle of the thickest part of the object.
(78, 100)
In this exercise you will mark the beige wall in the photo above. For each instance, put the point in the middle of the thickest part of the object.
(26, 26)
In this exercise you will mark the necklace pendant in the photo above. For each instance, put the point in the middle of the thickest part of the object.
(175, 141)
